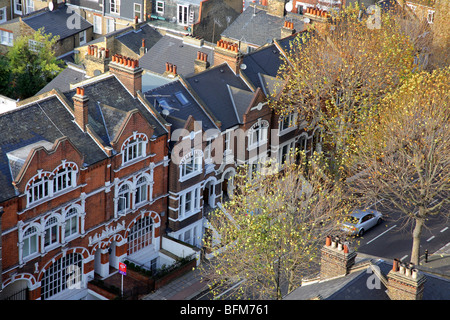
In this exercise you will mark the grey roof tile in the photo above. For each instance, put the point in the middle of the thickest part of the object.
(57, 22)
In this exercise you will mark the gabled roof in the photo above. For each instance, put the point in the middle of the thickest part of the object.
(133, 38)
(174, 50)
(212, 86)
(108, 102)
(241, 100)
(70, 75)
(58, 22)
(41, 122)
(257, 27)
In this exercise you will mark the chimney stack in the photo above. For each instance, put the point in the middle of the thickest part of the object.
(226, 51)
(96, 60)
(405, 282)
(80, 106)
(201, 63)
(127, 70)
(142, 49)
(171, 70)
(287, 29)
(336, 260)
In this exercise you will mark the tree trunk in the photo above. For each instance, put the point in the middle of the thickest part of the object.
(415, 252)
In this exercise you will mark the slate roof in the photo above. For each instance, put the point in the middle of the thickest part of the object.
(258, 28)
(57, 22)
(70, 75)
(354, 287)
(109, 101)
(45, 120)
(179, 108)
(172, 49)
(133, 38)
(213, 88)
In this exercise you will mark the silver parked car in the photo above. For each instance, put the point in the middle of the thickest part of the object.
(361, 220)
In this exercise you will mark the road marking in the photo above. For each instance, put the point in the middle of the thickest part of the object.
(444, 229)
(404, 257)
(431, 238)
(381, 234)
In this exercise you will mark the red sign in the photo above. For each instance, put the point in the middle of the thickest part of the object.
(122, 268)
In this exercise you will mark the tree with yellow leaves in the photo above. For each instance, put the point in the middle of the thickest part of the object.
(335, 78)
(271, 232)
(404, 156)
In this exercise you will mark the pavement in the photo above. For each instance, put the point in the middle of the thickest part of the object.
(185, 287)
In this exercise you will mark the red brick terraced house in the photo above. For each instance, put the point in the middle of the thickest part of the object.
(83, 185)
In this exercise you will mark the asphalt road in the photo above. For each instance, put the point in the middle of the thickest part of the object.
(393, 238)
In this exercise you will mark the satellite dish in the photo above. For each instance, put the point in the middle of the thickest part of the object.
(289, 6)
(50, 6)
(243, 66)
(306, 20)
(165, 112)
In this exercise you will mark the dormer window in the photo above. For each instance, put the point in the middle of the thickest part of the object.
(134, 148)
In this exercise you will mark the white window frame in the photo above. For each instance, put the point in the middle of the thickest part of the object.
(160, 7)
(287, 123)
(110, 25)
(18, 6)
(142, 190)
(258, 134)
(63, 274)
(64, 179)
(82, 37)
(189, 202)
(30, 240)
(51, 232)
(430, 16)
(137, 13)
(6, 38)
(124, 195)
(285, 150)
(140, 235)
(97, 23)
(3, 15)
(71, 223)
(114, 6)
(29, 6)
(134, 148)
(191, 165)
(183, 14)
(39, 189)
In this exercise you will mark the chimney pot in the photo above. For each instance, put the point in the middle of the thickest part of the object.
(78, 90)
(328, 241)
(174, 70)
(345, 248)
(143, 43)
(395, 265)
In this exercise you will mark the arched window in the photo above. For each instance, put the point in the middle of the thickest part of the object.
(191, 164)
(66, 273)
(71, 222)
(51, 232)
(133, 149)
(38, 190)
(258, 133)
(30, 242)
(142, 187)
(140, 235)
(63, 179)
(124, 195)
